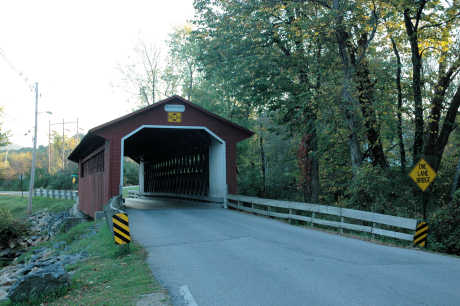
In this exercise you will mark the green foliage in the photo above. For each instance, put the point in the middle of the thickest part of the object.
(112, 275)
(444, 232)
(131, 172)
(61, 180)
(382, 191)
(3, 134)
(109, 276)
(10, 228)
(56, 175)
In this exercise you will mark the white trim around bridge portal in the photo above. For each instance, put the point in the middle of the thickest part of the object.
(217, 158)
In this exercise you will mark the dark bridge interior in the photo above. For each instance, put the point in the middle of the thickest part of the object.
(172, 160)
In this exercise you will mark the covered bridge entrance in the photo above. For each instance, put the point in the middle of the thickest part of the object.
(181, 149)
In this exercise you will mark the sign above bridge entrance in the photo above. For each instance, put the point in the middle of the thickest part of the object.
(174, 117)
(422, 174)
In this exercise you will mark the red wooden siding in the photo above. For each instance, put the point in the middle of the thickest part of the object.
(93, 196)
(91, 184)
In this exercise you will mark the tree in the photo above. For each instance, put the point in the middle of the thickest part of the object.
(60, 149)
(433, 27)
(3, 134)
(142, 76)
(183, 52)
(258, 55)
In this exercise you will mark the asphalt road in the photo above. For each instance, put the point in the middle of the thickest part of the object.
(225, 257)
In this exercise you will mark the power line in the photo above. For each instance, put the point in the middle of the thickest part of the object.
(16, 70)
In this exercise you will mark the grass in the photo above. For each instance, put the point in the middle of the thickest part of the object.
(18, 206)
(110, 275)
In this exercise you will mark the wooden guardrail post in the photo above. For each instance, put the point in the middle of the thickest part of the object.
(341, 221)
(372, 231)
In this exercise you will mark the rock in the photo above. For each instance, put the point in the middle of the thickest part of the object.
(42, 281)
(59, 245)
(75, 212)
(154, 299)
(3, 293)
(69, 222)
(6, 279)
(8, 255)
(39, 250)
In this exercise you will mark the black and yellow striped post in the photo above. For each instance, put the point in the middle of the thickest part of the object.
(121, 228)
(421, 233)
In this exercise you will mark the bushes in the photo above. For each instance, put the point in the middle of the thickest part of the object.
(10, 228)
(61, 180)
(131, 172)
(383, 191)
(444, 235)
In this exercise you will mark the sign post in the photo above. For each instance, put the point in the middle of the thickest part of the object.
(423, 175)
(21, 176)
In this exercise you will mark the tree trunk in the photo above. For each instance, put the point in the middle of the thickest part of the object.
(447, 128)
(190, 83)
(416, 85)
(402, 151)
(305, 164)
(437, 140)
(366, 98)
(348, 107)
(262, 162)
(347, 103)
(315, 185)
(456, 179)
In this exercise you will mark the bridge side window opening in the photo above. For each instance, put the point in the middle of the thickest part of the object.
(93, 165)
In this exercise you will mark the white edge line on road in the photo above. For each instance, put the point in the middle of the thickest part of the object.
(187, 295)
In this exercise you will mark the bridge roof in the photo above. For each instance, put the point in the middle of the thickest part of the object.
(169, 100)
(93, 139)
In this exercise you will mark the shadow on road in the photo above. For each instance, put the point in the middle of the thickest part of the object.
(165, 203)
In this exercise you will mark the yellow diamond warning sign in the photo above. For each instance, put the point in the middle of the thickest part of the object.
(422, 174)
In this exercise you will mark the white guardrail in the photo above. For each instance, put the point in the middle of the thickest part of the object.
(345, 215)
(56, 194)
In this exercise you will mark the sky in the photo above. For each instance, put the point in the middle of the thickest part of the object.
(74, 49)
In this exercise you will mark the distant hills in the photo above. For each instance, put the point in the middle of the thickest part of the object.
(11, 147)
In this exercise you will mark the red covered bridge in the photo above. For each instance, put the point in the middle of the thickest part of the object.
(180, 147)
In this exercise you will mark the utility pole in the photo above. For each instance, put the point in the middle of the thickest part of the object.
(34, 154)
(63, 160)
(63, 143)
(49, 146)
